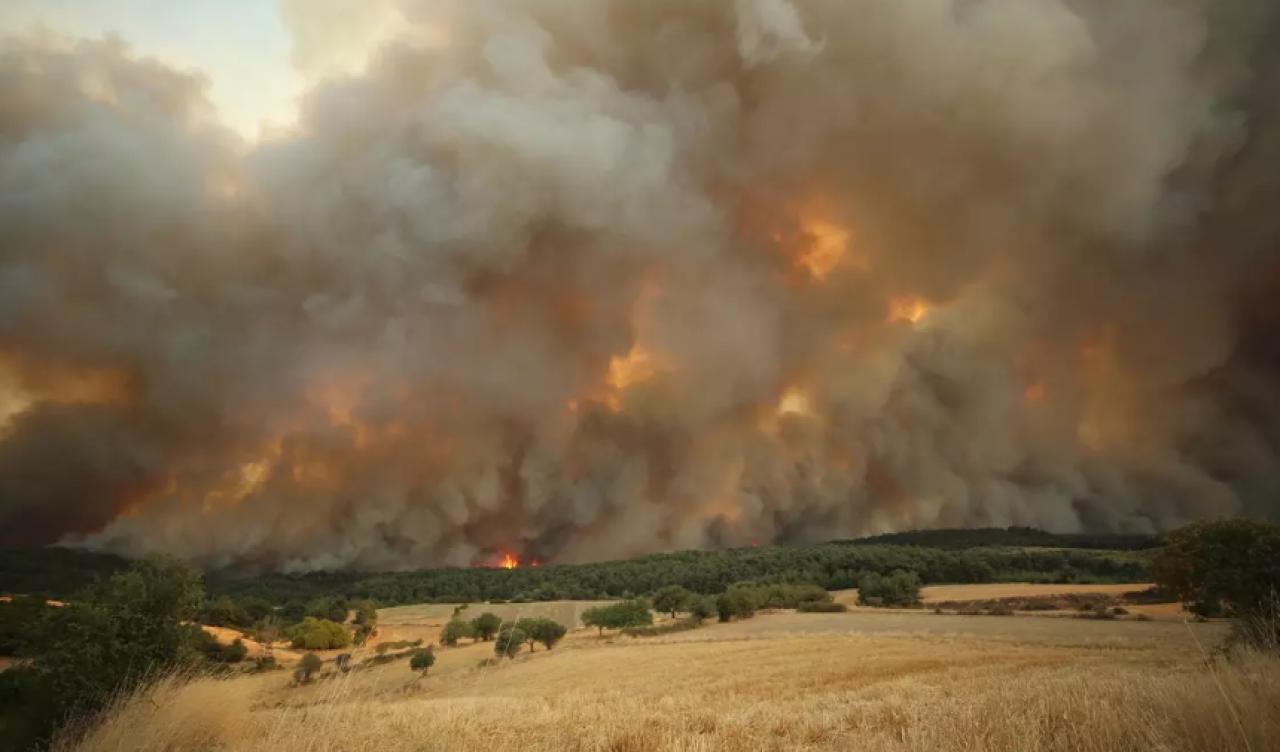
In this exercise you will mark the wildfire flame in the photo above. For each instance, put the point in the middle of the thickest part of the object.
(509, 561)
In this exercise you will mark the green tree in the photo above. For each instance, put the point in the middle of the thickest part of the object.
(672, 599)
(456, 630)
(508, 641)
(257, 608)
(422, 662)
(226, 612)
(900, 589)
(308, 668)
(1223, 567)
(631, 613)
(333, 609)
(486, 626)
(738, 602)
(366, 613)
(549, 632)
(702, 608)
(117, 636)
(319, 634)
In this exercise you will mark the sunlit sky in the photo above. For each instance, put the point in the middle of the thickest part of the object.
(241, 45)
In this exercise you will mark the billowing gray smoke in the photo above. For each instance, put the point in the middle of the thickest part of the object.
(589, 278)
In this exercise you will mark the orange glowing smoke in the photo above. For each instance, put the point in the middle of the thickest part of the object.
(908, 309)
(794, 402)
(827, 246)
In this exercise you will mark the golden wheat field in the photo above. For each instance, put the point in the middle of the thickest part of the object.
(777, 682)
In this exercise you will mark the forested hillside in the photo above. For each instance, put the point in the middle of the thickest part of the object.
(937, 557)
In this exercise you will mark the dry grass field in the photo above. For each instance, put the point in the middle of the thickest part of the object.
(867, 681)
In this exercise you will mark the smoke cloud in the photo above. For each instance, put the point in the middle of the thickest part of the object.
(585, 280)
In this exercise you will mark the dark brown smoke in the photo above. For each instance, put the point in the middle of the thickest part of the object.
(586, 280)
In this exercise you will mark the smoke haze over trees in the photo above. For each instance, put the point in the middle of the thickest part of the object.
(590, 280)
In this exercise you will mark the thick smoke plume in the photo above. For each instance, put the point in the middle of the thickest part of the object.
(587, 279)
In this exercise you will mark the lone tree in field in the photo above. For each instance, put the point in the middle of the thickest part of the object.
(508, 642)
(632, 613)
(1228, 567)
(672, 599)
(486, 626)
(456, 630)
(549, 632)
(422, 662)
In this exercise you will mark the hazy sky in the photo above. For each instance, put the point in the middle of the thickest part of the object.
(241, 45)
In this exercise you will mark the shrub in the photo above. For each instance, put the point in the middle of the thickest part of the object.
(456, 630)
(486, 626)
(319, 634)
(900, 589)
(308, 668)
(422, 662)
(507, 644)
(1120, 611)
(1000, 609)
(822, 608)
(683, 625)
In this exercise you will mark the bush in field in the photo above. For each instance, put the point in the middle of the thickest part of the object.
(508, 642)
(900, 589)
(671, 627)
(672, 599)
(486, 626)
(456, 630)
(812, 607)
(319, 634)
(422, 662)
(632, 613)
(308, 668)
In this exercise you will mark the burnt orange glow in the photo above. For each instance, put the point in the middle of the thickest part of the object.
(907, 309)
(509, 561)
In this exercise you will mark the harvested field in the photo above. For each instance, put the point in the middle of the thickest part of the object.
(811, 682)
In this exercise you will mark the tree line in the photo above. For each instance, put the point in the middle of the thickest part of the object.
(946, 556)
(831, 567)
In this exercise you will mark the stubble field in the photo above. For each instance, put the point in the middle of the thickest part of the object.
(874, 681)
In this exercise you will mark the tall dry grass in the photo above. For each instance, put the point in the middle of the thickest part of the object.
(797, 693)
